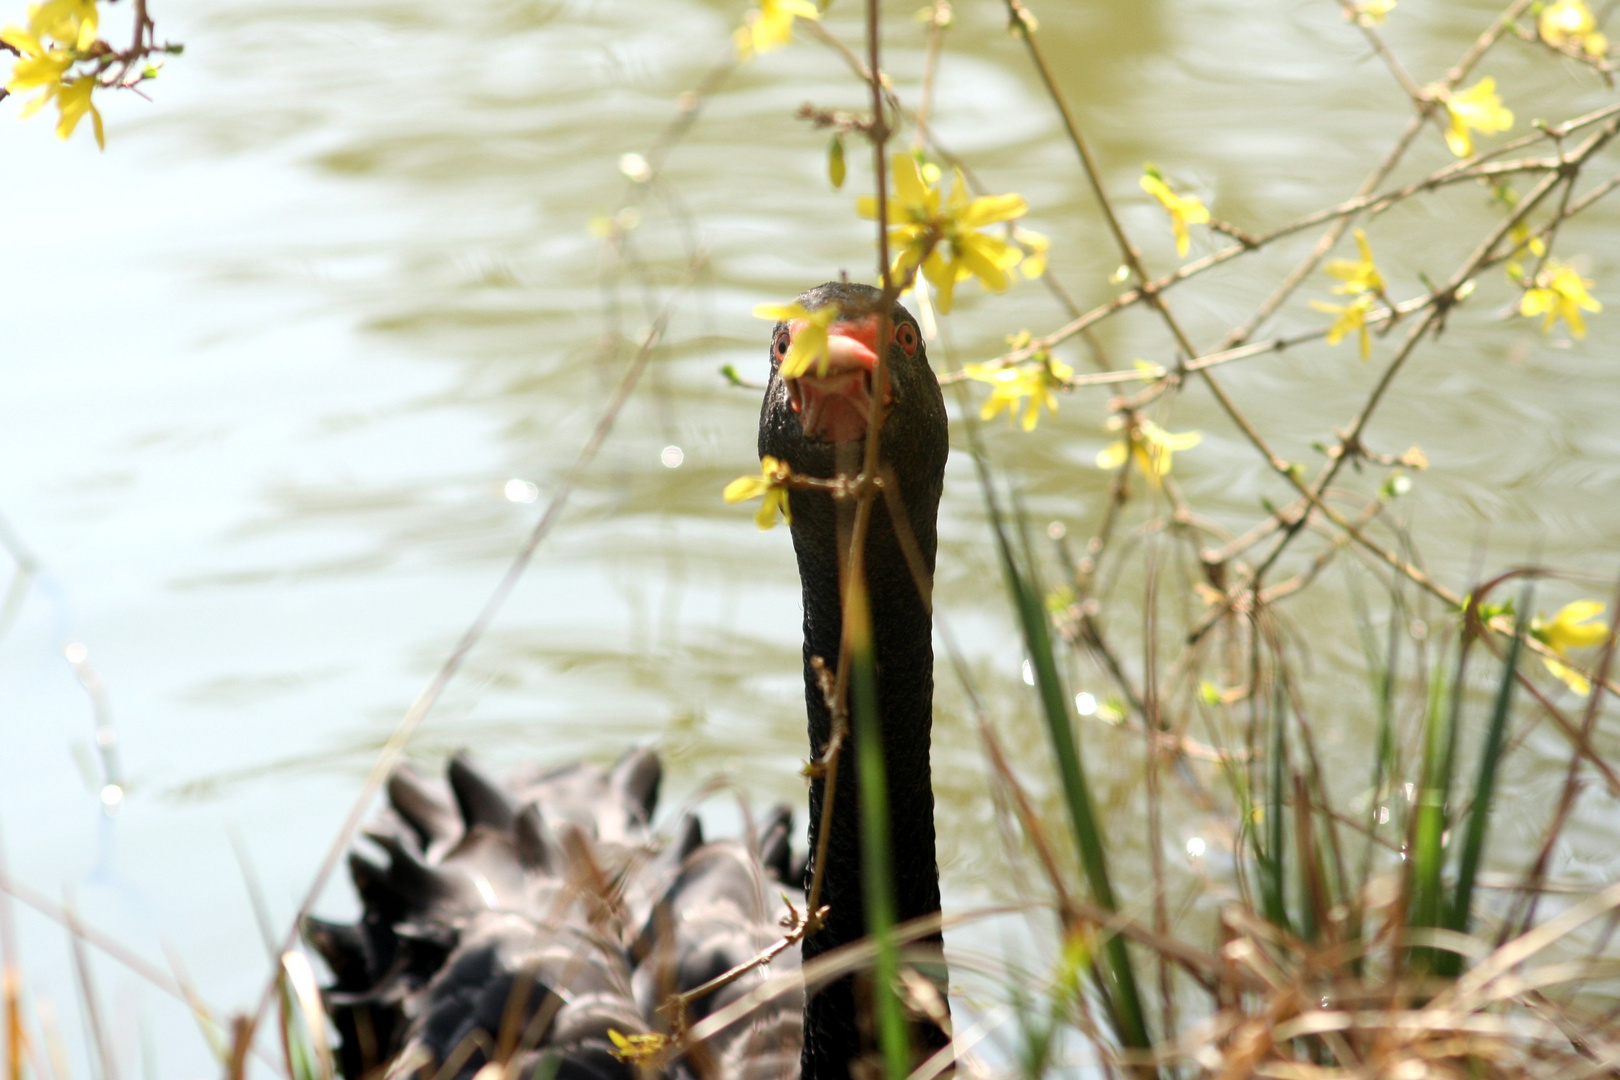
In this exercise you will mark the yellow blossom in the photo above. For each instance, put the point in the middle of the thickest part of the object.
(1559, 292)
(1351, 317)
(1523, 240)
(36, 66)
(1478, 108)
(1184, 210)
(1010, 385)
(809, 340)
(1034, 246)
(770, 483)
(40, 68)
(637, 1049)
(943, 240)
(71, 23)
(1569, 24)
(1360, 276)
(1151, 446)
(73, 101)
(1372, 12)
(1571, 628)
(772, 25)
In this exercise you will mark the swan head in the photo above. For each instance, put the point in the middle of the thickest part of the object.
(817, 420)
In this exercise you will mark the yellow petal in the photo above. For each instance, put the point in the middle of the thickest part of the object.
(24, 42)
(775, 499)
(1535, 302)
(1572, 316)
(908, 182)
(1113, 455)
(1570, 677)
(990, 209)
(72, 103)
(39, 103)
(1572, 627)
(744, 488)
(942, 276)
(1159, 190)
(1184, 441)
(1457, 138)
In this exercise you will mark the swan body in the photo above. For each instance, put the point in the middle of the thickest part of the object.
(540, 910)
(529, 921)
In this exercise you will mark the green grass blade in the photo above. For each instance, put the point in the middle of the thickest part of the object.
(1434, 788)
(1117, 985)
(1384, 763)
(1122, 995)
(1272, 856)
(1490, 759)
(875, 855)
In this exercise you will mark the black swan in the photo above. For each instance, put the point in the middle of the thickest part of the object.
(526, 923)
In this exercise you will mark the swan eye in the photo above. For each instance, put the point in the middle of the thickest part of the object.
(906, 335)
(779, 347)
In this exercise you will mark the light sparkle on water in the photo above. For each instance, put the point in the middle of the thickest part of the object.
(521, 491)
(672, 456)
(635, 168)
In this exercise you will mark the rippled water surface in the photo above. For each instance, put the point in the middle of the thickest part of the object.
(272, 359)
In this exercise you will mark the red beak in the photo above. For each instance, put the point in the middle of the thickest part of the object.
(836, 406)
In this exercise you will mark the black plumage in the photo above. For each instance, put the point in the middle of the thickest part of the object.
(524, 921)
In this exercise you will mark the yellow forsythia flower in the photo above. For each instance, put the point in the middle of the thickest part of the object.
(637, 1049)
(1477, 108)
(41, 68)
(1184, 210)
(1010, 385)
(773, 475)
(809, 340)
(1352, 317)
(1523, 240)
(73, 101)
(1360, 276)
(1152, 447)
(1559, 293)
(36, 65)
(71, 23)
(1372, 12)
(943, 240)
(772, 25)
(1569, 23)
(1571, 628)
(1034, 246)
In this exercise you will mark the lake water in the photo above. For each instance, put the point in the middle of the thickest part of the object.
(271, 361)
